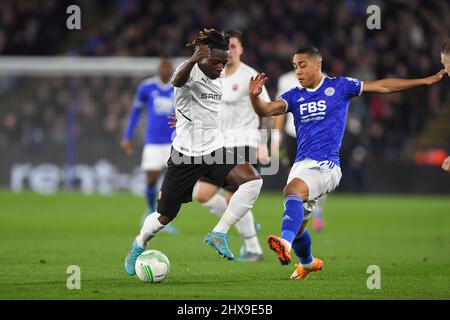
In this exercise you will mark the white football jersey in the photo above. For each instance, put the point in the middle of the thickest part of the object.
(285, 83)
(240, 123)
(197, 104)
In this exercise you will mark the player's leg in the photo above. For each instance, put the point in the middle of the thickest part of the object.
(206, 193)
(308, 180)
(176, 189)
(296, 192)
(302, 248)
(152, 177)
(249, 185)
(318, 221)
(251, 250)
(153, 162)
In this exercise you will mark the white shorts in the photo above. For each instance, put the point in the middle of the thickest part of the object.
(155, 156)
(322, 177)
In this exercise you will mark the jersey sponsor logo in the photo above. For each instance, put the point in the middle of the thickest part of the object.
(211, 96)
(329, 91)
(313, 107)
(163, 105)
(314, 110)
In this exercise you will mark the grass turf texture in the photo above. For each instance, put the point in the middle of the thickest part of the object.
(40, 236)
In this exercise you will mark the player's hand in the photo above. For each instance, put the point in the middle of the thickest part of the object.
(201, 52)
(127, 147)
(446, 164)
(256, 84)
(435, 78)
(172, 124)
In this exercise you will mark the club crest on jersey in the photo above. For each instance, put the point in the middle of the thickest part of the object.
(235, 87)
(329, 91)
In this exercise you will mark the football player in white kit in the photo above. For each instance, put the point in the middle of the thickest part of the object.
(240, 126)
(286, 82)
(155, 96)
(445, 60)
(198, 149)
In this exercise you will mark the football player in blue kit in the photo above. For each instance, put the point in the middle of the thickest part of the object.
(320, 111)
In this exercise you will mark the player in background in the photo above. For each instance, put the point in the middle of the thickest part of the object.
(445, 60)
(320, 111)
(240, 127)
(198, 148)
(446, 164)
(286, 121)
(155, 95)
(445, 56)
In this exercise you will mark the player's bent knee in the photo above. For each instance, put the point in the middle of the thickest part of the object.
(296, 190)
(202, 197)
(203, 192)
(168, 213)
(253, 186)
(164, 219)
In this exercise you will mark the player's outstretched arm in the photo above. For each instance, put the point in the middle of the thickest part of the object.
(182, 75)
(393, 84)
(263, 108)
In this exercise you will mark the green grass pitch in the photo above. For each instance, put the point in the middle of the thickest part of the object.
(408, 237)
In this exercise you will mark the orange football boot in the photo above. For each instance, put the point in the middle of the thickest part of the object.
(278, 245)
(301, 273)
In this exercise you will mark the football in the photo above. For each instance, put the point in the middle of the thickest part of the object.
(152, 266)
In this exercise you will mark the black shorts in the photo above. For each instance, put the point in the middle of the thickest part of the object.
(183, 172)
(249, 154)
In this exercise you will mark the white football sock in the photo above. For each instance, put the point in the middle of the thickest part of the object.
(308, 265)
(216, 205)
(247, 231)
(240, 203)
(150, 228)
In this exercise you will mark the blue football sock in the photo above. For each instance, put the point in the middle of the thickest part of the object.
(292, 217)
(302, 247)
(151, 198)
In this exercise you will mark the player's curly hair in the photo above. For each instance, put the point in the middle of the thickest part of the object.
(212, 38)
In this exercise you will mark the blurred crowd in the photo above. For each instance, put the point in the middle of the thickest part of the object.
(32, 27)
(379, 126)
(55, 109)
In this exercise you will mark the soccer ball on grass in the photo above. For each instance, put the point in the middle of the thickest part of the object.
(152, 266)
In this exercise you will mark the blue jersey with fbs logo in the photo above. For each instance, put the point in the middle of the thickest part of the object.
(157, 98)
(320, 116)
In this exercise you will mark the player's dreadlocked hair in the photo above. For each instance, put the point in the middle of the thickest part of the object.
(212, 38)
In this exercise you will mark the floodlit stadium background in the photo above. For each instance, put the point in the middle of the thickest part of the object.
(65, 96)
(68, 113)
